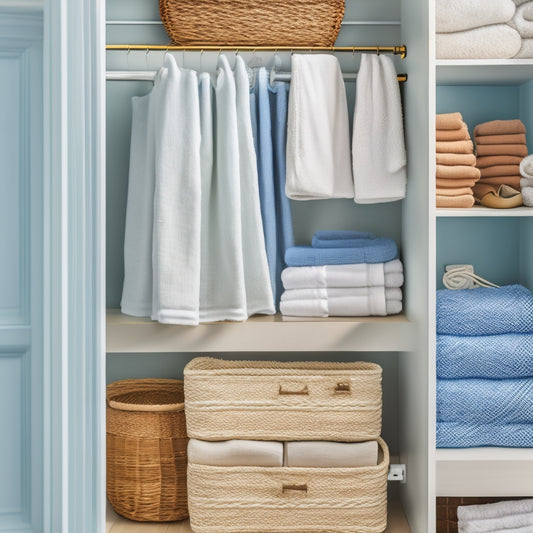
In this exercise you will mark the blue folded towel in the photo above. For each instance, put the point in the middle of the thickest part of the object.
(485, 311)
(488, 356)
(378, 250)
(339, 238)
(457, 435)
(485, 401)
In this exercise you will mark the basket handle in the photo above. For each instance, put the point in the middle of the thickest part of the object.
(287, 487)
(304, 391)
(343, 387)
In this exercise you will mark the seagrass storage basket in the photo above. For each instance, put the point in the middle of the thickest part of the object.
(299, 500)
(267, 400)
(252, 22)
(147, 449)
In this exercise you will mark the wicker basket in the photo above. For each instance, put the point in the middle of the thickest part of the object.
(266, 400)
(252, 22)
(262, 499)
(147, 449)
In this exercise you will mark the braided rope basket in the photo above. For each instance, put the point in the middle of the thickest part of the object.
(299, 500)
(147, 449)
(268, 400)
(252, 22)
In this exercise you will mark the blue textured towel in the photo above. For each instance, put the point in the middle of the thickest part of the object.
(457, 435)
(338, 238)
(268, 106)
(485, 401)
(378, 250)
(489, 356)
(485, 311)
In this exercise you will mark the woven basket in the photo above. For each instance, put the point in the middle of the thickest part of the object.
(266, 499)
(147, 449)
(266, 400)
(252, 22)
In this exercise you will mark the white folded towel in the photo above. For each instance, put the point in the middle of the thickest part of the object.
(526, 167)
(498, 41)
(324, 454)
(504, 524)
(235, 453)
(522, 20)
(378, 144)
(176, 237)
(460, 15)
(346, 292)
(526, 50)
(514, 515)
(318, 134)
(495, 510)
(388, 274)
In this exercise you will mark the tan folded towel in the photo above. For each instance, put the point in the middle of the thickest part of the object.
(455, 182)
(456, 159)
(512, 181)
(457, 171)
(496, 160)
(454, 135)
(515, 138)
(500, 170)
(324, 454)
(519, 150)
(465, 200)
(500, 127)
(449, 121)
(455, 147)
(459, 191)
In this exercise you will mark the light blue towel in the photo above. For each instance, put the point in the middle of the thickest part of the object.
(268, 106)
(485, 311)
(488, 356)
(378, 250)
(457, 435)
(325, 239)
(485, 401)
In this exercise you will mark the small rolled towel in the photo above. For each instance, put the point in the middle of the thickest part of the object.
(454, 183)
(518, 150)
(453, 135)
(449, 121)
(526, 167)
(235, 453)
(512, 181)
(455, 147)
(458, 171)
(324, 454)
(464, 200)
(460, 191)
(526, 182)
(523, 20)
(526, 50)
(495, 510)
(459, 15)
(466, 435)
(527, 196)
(468, 160)
(500, 170)
(497, 160)
(497, 41)
(507, 138)
(500, 127)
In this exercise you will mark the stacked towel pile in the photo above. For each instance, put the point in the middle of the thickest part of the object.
(456, 162)
(484, 367)
(343, 273)
(526, 181)
(500, 146)
(515, 516)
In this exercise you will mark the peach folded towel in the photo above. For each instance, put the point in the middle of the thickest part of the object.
(449, 121)
(497, 160)
(454, 182)
(514, 138)
(456, 159)
(465, 200)
(518, 150)
(500, 170)
(500, 127)
(458, 171)
(512, 181)
(460, 191)
(455, 147)
(454, 135)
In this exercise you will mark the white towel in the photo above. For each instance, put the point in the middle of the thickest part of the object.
(522, 20)
(527, 196)
(520, 2)
(235, 453)
(504, 524)
(176, 237)
(526, 182)
(494, 510)
(378, 145)
(318, 133)
(526, 50)
(346, 292)
(259, 296)
(460, 15)
(526, 167)
(389, 274)
(498, 41)
(324, 454)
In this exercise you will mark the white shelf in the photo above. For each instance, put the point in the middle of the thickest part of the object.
(484, 71)
(481, 211)
(127, 334)
(485, 472)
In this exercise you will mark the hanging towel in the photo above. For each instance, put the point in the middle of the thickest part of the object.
(495, 510)
(459, 15)
(176, 229)
(318, 135)
(388, 274)
(523, 20)
(466, 435)
(378, 144)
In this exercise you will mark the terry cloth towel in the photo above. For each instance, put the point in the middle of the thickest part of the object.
(512, 181)
(481, 189)
(527, 196)
(378, 144)
(269, 120)
(318, 133)
(235, 453)
(500, 170)
(526, 182)
(455, 147)
(497, 41)
(177, 202)
(497, 160)
(466, 435)
(523, 20)
(507, 138)
(449, 121)
(457, 171)
(455, 182)
(526, 50)
(460, 191)
(459, 15)
(517, 150)
(485, 356)
(456, 159)
(485, 401)
(500, 127)
(324, 454)
(526, 167)
(378, 250)
(453, 135)
(495, 510)
(463, 200)
(348, 292)
(388, 274)
(485, 311)
(337, 235)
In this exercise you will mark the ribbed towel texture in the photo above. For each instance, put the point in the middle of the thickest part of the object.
(468, 435)
(505, 516)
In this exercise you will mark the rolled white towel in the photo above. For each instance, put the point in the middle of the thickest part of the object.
(526, 182)
(460, 15)
(498, 41)
(494, 510)
(527, 196)
(520, 2)
(526, 167)
(522, 20)
(526, 50)
(324, 454)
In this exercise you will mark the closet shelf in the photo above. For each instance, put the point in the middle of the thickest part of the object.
(485, 472)
(480, 211)
(127, 334)
(484, 71)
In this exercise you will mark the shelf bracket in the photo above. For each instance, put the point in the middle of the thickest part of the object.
(397, 472)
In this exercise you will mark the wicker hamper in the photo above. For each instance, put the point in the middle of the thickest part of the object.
(266, 400)
(252, 22)
(296, 500)
(147, 449)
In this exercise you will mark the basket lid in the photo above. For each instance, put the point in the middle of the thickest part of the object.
(146, 395)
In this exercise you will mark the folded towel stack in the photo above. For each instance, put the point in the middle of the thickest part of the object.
(484, 369)
(526, 182)
(343, 273)
(456, 162)
(500, 147)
